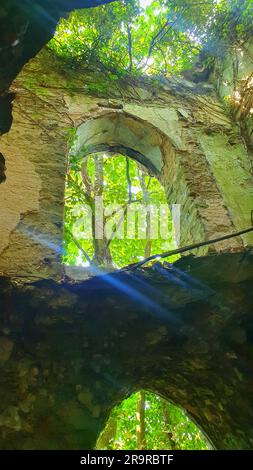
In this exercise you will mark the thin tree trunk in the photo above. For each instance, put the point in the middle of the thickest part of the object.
(102, 255)
(146, 199)
(166, 415)
(140, 428)
(129, 182)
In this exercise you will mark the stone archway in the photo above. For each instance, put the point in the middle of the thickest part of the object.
(108, 209)
(190, 130)
(122, 133)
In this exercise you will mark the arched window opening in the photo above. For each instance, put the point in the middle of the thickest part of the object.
(147, 421)
(116, 212)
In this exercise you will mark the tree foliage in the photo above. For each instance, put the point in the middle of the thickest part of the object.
(122, 183)
(152, 36)
(166, 426)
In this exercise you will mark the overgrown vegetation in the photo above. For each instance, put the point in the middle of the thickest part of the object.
(155, 37)
(146, 421)
(125, 188)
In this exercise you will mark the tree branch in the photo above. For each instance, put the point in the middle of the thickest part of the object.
(76, 242)
(86, 179)
(160, 35)
(130, 44)
(186, 248)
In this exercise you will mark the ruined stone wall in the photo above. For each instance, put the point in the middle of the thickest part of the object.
(234, 78)
(70, 353)
(180, 130)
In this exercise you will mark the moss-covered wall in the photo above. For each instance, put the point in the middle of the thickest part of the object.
(179, 129)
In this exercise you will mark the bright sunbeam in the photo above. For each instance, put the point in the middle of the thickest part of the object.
(136, 293)
(184, 280)
(42, 239)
